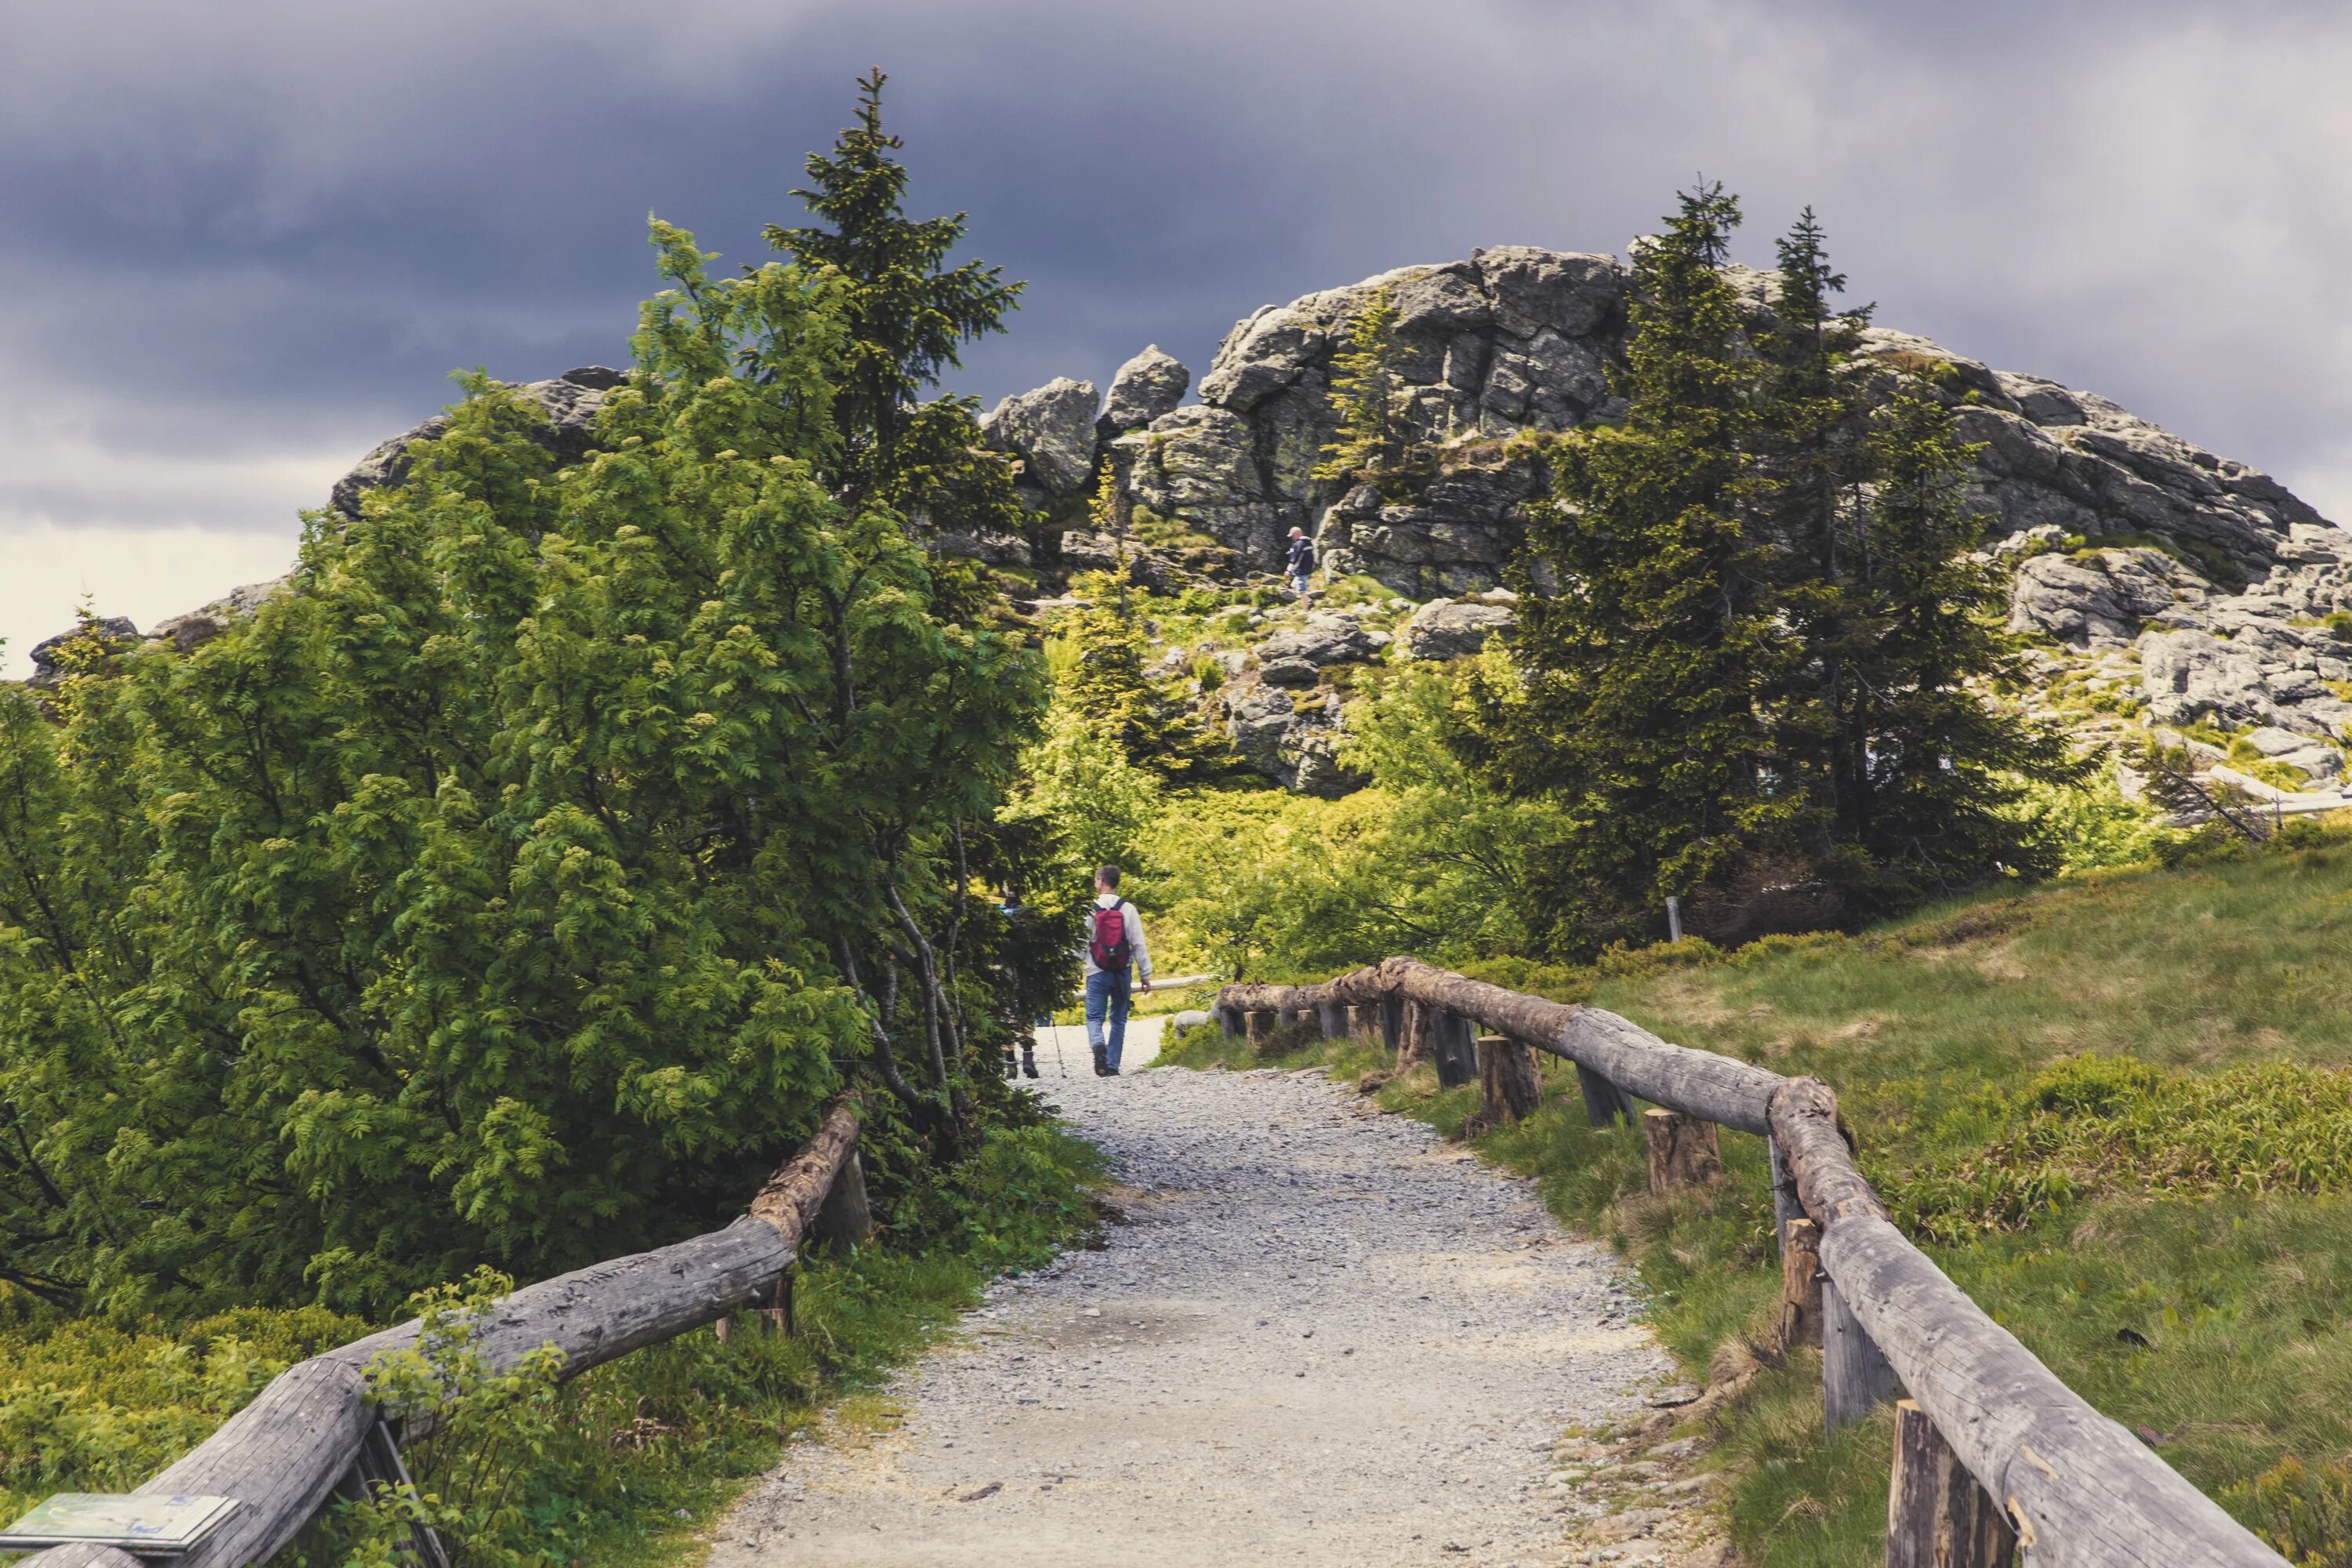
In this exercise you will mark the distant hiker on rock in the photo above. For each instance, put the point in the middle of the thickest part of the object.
(1115, 951)
(1302, 560)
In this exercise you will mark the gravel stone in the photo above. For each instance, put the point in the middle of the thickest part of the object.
(1320, 1334)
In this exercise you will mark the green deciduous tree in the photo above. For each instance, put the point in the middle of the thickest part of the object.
(515, 886)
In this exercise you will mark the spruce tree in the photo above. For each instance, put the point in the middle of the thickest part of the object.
(1935, 768)
(907, 316)
(1815, 461)
(1365, 385)
(1648, 644)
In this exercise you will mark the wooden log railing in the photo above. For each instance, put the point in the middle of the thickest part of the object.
(2067, 1486)
(283, 1456)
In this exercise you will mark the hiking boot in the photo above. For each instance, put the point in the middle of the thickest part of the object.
(1102, 1068)
(1028, 1061)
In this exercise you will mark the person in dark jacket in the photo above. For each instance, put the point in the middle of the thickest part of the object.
(1302, 560)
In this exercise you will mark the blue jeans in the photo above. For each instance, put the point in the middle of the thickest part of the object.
(1106, 993)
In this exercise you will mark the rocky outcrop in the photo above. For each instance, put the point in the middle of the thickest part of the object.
(571, 402)
(1147, 386)
(1051, 430)
(2100, 596)
(1325, 639)
(1452, 628)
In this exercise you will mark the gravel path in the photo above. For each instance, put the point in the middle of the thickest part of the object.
(1322, 1337)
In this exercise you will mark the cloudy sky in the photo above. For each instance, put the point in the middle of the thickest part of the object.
(248, 238)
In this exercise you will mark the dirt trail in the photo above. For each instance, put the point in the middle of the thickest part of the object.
(1323, 1337)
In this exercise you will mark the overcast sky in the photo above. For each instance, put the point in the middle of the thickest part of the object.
(247, 239)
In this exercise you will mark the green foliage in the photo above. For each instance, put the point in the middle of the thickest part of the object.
(1101, 682)
(1365, 393)
(516, 886)
(2304, 1510)
(2090, 826)
(2089, 1125)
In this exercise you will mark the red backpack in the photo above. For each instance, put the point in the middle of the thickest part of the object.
(1112, 947)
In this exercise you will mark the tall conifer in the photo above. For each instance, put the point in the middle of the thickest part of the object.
(1648, 642)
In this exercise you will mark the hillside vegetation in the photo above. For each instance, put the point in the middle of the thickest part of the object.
(2117, 1112)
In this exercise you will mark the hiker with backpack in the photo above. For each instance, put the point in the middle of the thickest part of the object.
(1116, 953)
(1299, 562)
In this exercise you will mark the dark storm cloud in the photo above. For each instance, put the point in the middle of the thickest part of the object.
(249, 240)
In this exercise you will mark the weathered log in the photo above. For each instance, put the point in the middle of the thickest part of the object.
(1604, 1103)
(1450, 1050)
(1800, 1284)
(282, 1455)
(1510, 1087)
(1937, 1514)
(2081, 1489)
(1685, 1151)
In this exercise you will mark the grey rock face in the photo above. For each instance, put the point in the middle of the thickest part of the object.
(190, 631)
(1325, 639)
(571, 403)
(1450, 628)
(1052, 430)
(2186, 676)
(2100, 599)
(1147, 386)
(1287, 672)
(1198, 466)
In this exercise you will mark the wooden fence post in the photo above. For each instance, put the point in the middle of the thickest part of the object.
(1604, 1103)
(1800, 1284)
(1333, 1020)
(1229, 1020)
(1786, 1204)
(846, 1219)
(1451, 1048)
(1257, 1025)
(1937, 1514)
(1855, 1378)
(1412, 1035)
(1391, 1016)
(1685, 1150)
(1508, 1087)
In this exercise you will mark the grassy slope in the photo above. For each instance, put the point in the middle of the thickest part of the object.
(2214, 1307)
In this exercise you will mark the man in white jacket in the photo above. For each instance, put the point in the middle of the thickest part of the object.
(1116, 952)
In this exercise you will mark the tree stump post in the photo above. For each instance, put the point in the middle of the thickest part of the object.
(1333, 1020)
(1450, 1047)
(1256, 1026)
(1786, 1204)
(1229, 1020)
(1937, 1514)
(1800, 1284)
(1361, 1023)
(1509, 1087)
(1855, 1378)
(1391, 1016)
(1685, 1151)
(1604, 1103)
(846, 1219)
(1412, 1035)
